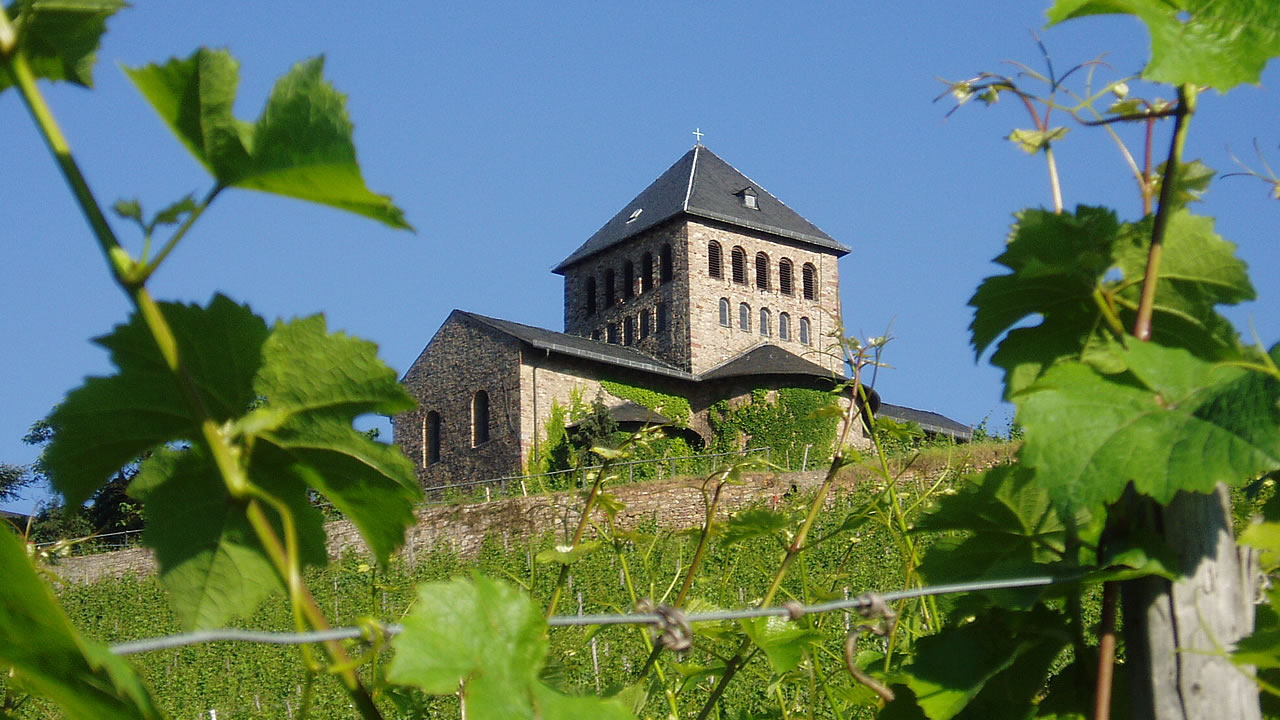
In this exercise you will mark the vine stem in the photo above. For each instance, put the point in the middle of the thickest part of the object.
(1106, 652)
(583, 520)
(1187, 95)
(124, 271)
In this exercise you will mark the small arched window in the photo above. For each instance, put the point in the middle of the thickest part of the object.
(724, 312)
(591, 296)
(766, 327)
(628, 280)
(715, 260)
(609, 287)
(785, 283)
(431, 439)
(810, 282)
(740, 266)
(744, 317)
(646, 273)
(645, 318)
(480, 418)
(611, 333)
(665, 264)
(663, 317)
(784, 326)
(762, 271)
(804, 331)
(628, 330)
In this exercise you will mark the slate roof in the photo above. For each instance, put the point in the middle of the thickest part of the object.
(702, 185)
(762, 360)
(558, 342)
(928, 421)
(633, 412)
(767, 360)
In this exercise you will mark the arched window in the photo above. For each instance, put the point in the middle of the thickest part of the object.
(645, 317)
(740, 266)
(611, 333)
(591, 296)
(628, 330)
(804, 331)
(609, 283)
(480, 418)
(784, 326)
(785, 284)
(724, 312)
(431, 438)
(766, 327)
(810, 282)
(665, 269)
(762, 271)
(664, 317)
(715, 260)
(628, 280)
(646, 273)
(744, 317)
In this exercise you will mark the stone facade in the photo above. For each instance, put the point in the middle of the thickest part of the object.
(464, 359)
(695, 339)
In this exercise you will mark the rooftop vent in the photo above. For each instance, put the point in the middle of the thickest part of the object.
(635, 214)
(748, 196)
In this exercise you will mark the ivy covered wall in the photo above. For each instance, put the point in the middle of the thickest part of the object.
(786, 419)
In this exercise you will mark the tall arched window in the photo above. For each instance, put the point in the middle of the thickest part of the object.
(766, 327)
(784, 326)
(740, 266)
(646, 273)
(724, 312)
(646, 319)
(804, 331)
(628, 280)
(785, 283)
(762, 271)
(431, 439)
(810, 282)
(609, 286)
(744, 317)
(591, 296)
(480, 418)
(665, 264)
(628, 330)
(715, 260)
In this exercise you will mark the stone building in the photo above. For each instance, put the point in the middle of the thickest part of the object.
(705, 286)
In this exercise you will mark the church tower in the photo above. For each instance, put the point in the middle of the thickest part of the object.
(702, 267)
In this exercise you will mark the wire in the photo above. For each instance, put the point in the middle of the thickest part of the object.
(790, 610)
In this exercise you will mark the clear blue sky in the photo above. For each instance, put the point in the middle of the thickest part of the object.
(509, 132)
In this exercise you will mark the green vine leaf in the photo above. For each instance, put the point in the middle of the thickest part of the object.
(110, 421)
(301, 146)
(60, 37)
(305, 385)
(487, 638)
(566, 555)
(1220, 43)
(1003, 655)
(783, 642)
(1068, 267)
(751, 524)
(210, 559)
(48, 657)
(1033, 141)
(1172, 422)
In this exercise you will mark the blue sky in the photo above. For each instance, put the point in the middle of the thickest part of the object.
(509, 132)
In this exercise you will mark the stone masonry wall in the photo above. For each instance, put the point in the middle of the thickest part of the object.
(672, 343)
(463, 528)
(463, 358)
(714, 343)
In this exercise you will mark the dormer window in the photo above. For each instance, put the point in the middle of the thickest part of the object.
(749, 198)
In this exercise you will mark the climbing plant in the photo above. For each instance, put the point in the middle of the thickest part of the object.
(791, 422)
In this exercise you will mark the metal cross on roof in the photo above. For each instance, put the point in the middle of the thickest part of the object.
(698, 134)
